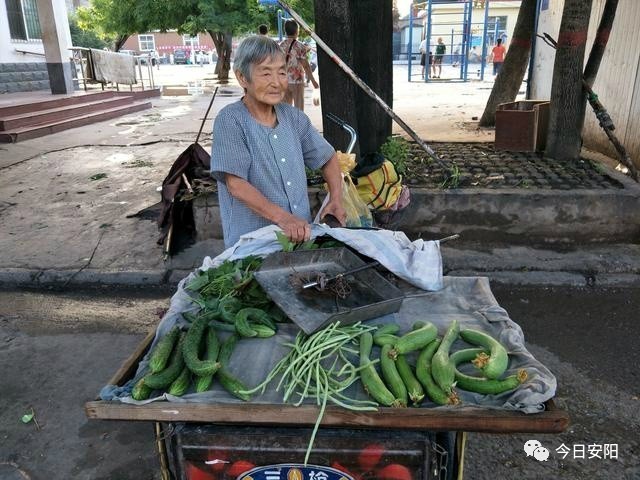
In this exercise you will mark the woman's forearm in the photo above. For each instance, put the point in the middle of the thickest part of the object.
(333, 176)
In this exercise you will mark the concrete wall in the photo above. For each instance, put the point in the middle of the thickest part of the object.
(618, 80)
(8, 46)
(167, 42)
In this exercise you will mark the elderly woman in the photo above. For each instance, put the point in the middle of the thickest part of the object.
(261, 147)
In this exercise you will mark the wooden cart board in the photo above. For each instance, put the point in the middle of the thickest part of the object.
(467, 419)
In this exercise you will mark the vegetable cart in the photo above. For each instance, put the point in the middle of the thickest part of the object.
(214, 435)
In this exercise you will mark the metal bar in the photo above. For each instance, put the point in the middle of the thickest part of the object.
(338, 61)
(410, 46)
(484, 40)
(427, 69)
(534, 42)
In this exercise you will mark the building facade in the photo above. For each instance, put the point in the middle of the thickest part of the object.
(165, 43)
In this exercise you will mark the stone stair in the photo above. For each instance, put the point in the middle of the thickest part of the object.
(39, 118)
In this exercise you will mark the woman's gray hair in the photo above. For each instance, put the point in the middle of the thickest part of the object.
(253, 51)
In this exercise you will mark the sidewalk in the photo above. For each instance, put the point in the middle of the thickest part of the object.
(65, 199)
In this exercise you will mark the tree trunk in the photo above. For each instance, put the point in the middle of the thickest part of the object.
(222, 41)
(340, 26)
(119, 41)
(567, 98)
(600, 42)
(505, 89)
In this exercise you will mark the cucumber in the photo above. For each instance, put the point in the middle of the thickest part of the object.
(369, 377)
(442, 369)
(232, 385)
(181, 384)
(192, 343)
(496, 363)
(164, 378)
(203, 382)
(423, 372)
(414, 389)
(243, 327)
(227, 308)
(162, 351)
(141, 391)
(262, 331)
(226, 349)
(391, 376)
(480, 384)
(414, 340)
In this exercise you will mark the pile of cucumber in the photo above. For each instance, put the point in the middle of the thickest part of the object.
(436, 374)
(181, 359)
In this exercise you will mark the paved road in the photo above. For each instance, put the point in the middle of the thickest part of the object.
(58, 349)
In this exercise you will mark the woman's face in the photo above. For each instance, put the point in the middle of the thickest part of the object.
(268, 80)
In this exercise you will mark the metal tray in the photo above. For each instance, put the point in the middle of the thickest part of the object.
(371, 294)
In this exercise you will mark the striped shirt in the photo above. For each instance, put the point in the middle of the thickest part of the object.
(270, 159)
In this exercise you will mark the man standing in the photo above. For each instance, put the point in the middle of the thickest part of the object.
(497, 53)
(297, 65)
(423, 55)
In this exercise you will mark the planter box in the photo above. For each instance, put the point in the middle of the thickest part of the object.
(522, 126)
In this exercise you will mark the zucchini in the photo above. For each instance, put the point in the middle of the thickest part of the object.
(392, 377)
(442, 369)
(203, 382)
(494, 364)
(483, 385)
(414, 389)
(371, 381)
(192, 343)
(414, 340)
(385, 339)
(161, 352)
(141, 391)
(181, 384)
(423, 372)
(163, 379)
(386, 329)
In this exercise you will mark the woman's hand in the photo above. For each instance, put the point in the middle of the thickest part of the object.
(296, 229)
(335, 208)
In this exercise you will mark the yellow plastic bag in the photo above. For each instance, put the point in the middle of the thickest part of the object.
(358, 214)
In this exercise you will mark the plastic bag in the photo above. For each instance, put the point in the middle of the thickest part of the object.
(358, 214)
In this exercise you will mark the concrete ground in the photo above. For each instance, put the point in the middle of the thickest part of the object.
(57, 349)
(66, 199)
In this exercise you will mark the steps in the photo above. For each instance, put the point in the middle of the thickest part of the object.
(36, 119)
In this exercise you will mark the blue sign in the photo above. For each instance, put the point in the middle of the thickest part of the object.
(294, 471)
(267, 2)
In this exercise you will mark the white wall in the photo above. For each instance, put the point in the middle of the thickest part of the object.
(8, 47)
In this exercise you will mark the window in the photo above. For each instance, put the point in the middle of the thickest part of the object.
(146, 43)
(496, 28)
(190, 41)
(23, 20)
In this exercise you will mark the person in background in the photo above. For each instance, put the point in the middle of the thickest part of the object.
(497, 54)
(263, 29)
(261, 147)
(423, 55)
(437, 59)
(297, 65)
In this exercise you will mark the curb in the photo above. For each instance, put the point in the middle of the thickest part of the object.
(32, 278)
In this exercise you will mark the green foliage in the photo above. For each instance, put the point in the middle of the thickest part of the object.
(396, 150)
(112, 20)
(85, 38)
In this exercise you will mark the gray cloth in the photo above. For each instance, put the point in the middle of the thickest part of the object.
(270, 159)
(466, 299)
(112, 67)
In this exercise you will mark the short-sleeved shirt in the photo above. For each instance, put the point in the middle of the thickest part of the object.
(270, 159)
(441, 49)
(295, 71)
(498, 53)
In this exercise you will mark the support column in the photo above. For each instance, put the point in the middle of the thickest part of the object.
(56, 39)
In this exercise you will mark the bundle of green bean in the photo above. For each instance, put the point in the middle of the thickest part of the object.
(318, 366)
